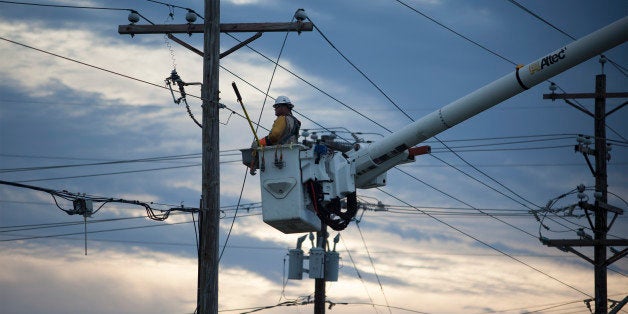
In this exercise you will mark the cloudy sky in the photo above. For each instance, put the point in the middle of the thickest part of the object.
(77, 94)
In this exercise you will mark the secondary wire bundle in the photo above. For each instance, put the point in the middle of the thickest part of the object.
(152, 213)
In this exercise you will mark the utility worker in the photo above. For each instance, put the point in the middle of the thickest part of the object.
(286, 127)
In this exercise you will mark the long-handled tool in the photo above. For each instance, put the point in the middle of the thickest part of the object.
(235, 88)
(246, 114)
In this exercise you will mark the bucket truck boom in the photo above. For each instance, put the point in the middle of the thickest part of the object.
(302, 185)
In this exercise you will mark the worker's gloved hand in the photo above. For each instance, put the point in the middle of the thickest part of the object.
(262, 142)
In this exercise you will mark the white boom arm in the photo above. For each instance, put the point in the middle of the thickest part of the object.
(303, 185)
(375, 159)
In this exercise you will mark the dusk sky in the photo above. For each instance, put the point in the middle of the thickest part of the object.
(84, 109)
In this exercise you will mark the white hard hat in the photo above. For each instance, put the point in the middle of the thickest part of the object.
(283, 100)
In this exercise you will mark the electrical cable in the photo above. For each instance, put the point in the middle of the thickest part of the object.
(505, 143)
(176, 6)
(82, 209)
(488, 245)
(110, 173)
(31, 237)
(272, 77)
(246, 171)
(529, 308)
(358, 69)
(442, 151)
(486, 185)
(520, 6)
(373, 265)
(116, 73)
(461, 201)
(115, 162)
(313, 86)
(94, 231)
(66, 6)
(455, 32)
(621, 69)
(357, 271)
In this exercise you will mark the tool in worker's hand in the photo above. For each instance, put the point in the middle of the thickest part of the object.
(235, 89)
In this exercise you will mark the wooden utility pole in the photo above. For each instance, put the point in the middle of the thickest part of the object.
(600, 208)
(207, 294)
(319, 283)
(209, 220)
(601, 178)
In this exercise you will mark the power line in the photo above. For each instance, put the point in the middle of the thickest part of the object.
(621, 69)
(77, 7)
(486, 185)
(528, 308)
(357, 271)
(82, 208)
(32, 237)
(176, 6)
(94, 231)
(65, 6)
(459, 200)
(373, 265)
(314, 86)
(489, 245)
(520, 6)
(110, 71)
(358, 69)
(455, 32)
(111, 173)
(116, 162)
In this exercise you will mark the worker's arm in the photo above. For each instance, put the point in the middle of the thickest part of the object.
(276, 132)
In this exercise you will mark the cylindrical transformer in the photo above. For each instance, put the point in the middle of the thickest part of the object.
(317, 263)
(331, 266)
(295, 264)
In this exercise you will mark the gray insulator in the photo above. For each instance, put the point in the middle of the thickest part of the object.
(134, 17)
(190, 17)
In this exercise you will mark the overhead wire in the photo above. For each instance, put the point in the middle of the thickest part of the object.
(455, 32)
(177, 6)
(113, 72)
(111, 173)
(480, 182)
(313, 86)
(357, 271)
(66, 6)
(358, 69)
(461, 201)
(82, 210)
(487, 245)
(32, 237)
(527, 309)
(226, 208)
(621, 69)
(381, 287)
